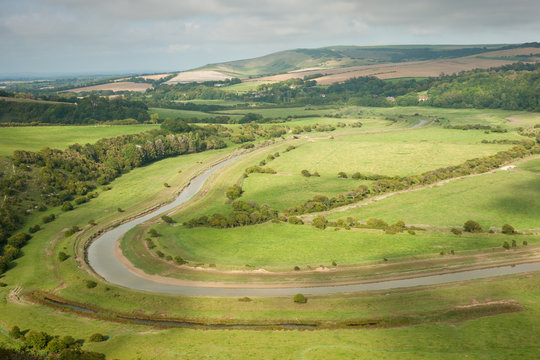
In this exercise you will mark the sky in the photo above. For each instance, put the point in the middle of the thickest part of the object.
(133, 36)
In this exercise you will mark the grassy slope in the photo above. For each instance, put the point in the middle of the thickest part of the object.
(33, 138)
(511, 197)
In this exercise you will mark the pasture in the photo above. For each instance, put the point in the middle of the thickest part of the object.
(33, 138)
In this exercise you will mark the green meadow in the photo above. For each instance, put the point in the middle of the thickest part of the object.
(33, 138)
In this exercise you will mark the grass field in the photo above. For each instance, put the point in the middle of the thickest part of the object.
(182, 114)
(491, 200)
(439, 322)
(33, 138)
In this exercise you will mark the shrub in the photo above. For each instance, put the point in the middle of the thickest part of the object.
(48, 218)
(91, 222)
(160, 253)
(42, 207)
(411, 232)
(342, 175)
(375, 223)
(167, 219)
(472, 226)
(320, 222)
(153, 233)
(244, 299)
(525, 243)
(456, 231)
(166, 185)
(34, 228)
(297, 268)
(18, 240)
(506, 245)
(90, 284)
(15, 332)
(334, 263)
(37, 339)
(67, 206)
(62, 256)
(514, 244)
(69, 340)
(305, 173)
(315, 174)
(120, 210)
(97, 337)
(150, 244)
(290, 147)
(356, 176)
(295, 220)
(508, 229)
(55, 346)
(300, 299)
(234, 192)
(80, 200)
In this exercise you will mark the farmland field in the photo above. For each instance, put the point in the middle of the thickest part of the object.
(33, 138)
(436, 321)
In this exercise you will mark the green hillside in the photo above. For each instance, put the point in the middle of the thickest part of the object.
(341, 56)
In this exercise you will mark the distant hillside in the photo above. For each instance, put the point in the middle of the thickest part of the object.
(347, 56)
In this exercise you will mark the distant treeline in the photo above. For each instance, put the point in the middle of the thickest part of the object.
(52, 177)
(84, 111)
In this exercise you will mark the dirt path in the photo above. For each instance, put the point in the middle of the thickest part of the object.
(14, 296)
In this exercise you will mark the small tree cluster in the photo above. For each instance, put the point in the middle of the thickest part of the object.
(472, 227)
(234, 192)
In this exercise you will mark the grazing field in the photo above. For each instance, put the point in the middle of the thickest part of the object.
(175, 114)
(490, 199)
(115, 86)
(492, 318)
(198, 76)
(33, 138)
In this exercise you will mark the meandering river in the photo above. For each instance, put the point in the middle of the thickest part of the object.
(102, 259)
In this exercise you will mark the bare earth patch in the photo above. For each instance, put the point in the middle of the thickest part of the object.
(198, 76)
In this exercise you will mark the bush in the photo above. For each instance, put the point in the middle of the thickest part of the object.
(244, 299)
(167, 219)
(514, 243)
(525, 243)
(295, 220)
(48, 218)
(320, 222)
(375, 223)
(120, 210)
(472, 227)
(315, 174)
(166, 185)
(300, 299)
(15, 332)
(508, 229)
(506, 245)
(62, 256)
(160, 254)
(18, 240)
(67, 206)
(356, 176)
(90, 284)
(305, 173)
(342, 175)
(456, 231)
(97, 337)
(34, 228)
(297, 268)
(234, 192)
(153, 233)
(55, 346)
(179, 260)
(37, 339)
(80, 200)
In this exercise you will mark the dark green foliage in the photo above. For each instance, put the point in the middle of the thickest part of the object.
(55, 346)
(179, 260)
(167, 219)
(78, 354)
(297, 268)
(62, 256)
(87, 111)
(508, 229)
(160, 254)
(245, 299)
(166, 185)
(456, 231)
(34, 228)
(506, 245)
(15, 332)
(342, 175)
(175, 126)
(80, 200)
(120, 210)
(525, 243)
(97, 337)
(234, 192)
(375, 223)
(300, 299)
(472, 227)
(259, 169)
(90, 284)
(18, 240)
(514, 243)
(36, 339)
(153, 232)
(67, 206)
(12, 354)
(48, 218)
(74, 229)
(150, 243)
(305, 173)
(295, 220)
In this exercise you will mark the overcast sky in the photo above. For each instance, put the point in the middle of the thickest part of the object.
(163, 35)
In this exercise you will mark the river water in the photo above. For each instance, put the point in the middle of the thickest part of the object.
(102, 260)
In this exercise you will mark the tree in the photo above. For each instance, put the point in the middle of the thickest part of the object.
(15, 332)
(472, 227)
(37, 339)
(67, 206)
(176, 126)
(56, 345)
(300, 299)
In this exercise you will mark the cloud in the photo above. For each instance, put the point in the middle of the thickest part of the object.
(179, 34)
